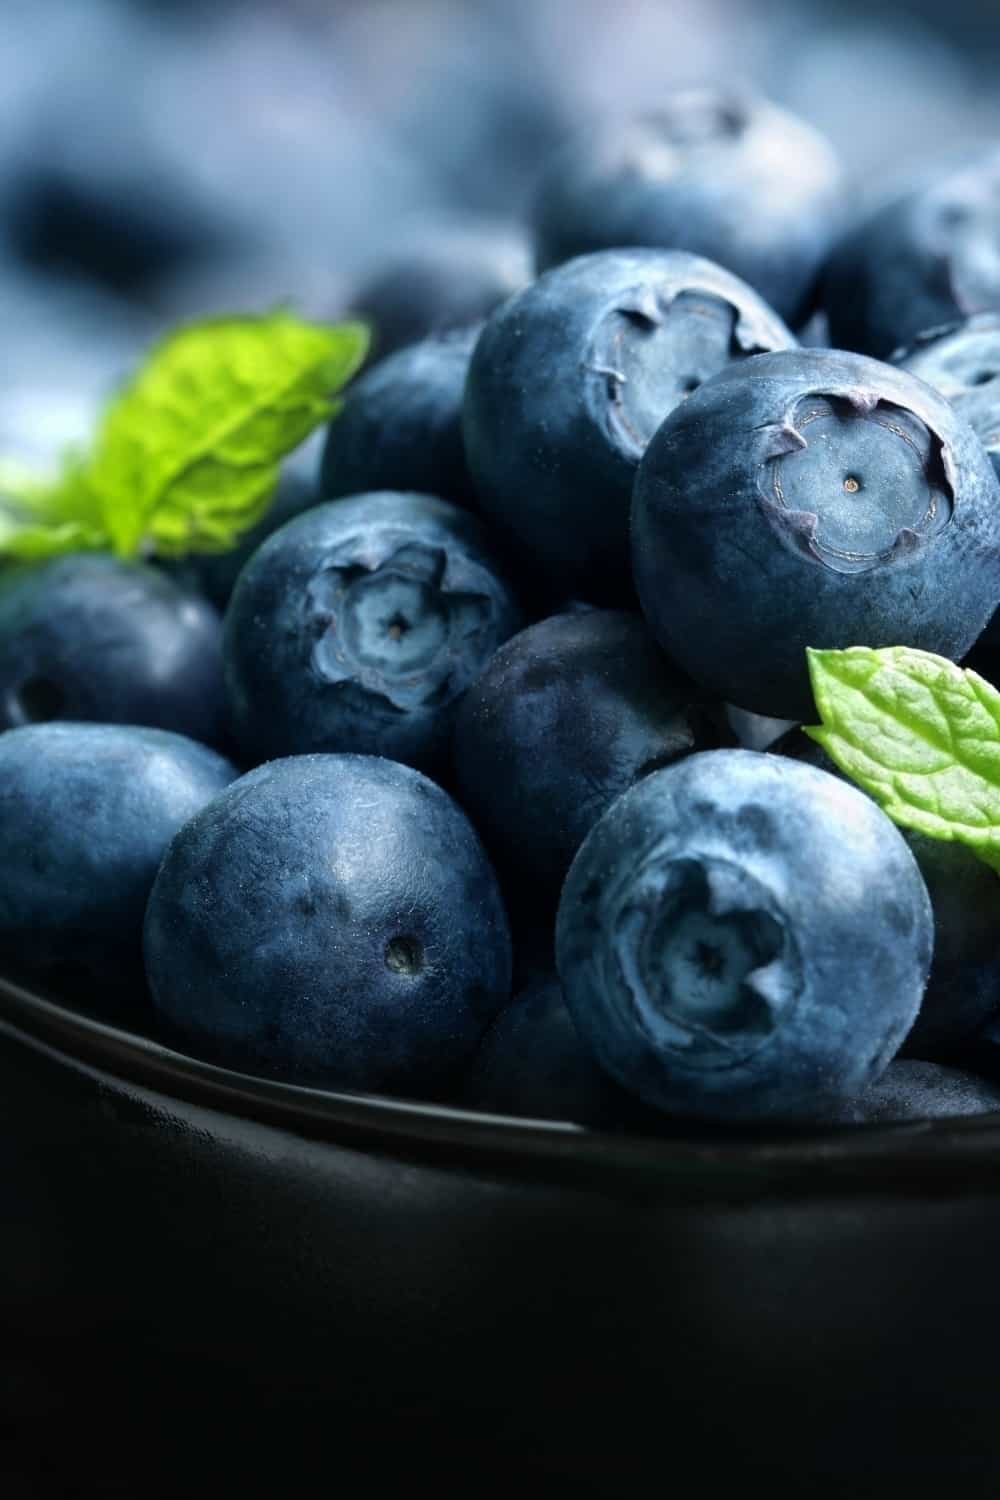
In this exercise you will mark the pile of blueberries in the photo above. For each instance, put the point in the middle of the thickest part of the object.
(474, 774)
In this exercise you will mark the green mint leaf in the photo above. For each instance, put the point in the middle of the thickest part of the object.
(34, 542)
(43, 517)
(918, 733)
(187, 455)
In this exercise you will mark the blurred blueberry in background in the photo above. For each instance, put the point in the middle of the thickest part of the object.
(164, 159)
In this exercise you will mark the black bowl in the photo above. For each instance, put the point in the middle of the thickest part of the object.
(214, 1284)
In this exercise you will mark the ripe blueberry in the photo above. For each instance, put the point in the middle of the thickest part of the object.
(359, 625)
(570, 379)
(812, 498)
(86, 812)
(400, 427)
(924, 258)
(86, 636)
(330, 919)
(734, 179)
(744, 937)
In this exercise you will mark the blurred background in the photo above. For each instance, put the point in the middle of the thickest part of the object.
(160, 159)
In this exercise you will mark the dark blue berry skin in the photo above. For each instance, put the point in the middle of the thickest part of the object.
(570, 379)
(330, 919)
(86, 636)
(962, 361)
(911, 1091)
(963, 989)
(742, 937)
(922, 259)
(400, 427)
(358, 627)
(533, 1063)
(86, 812)
(812, 498)
(566, 716)
(445, 278)
(736, 180)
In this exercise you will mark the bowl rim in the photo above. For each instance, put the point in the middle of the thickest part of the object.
(950, 1153)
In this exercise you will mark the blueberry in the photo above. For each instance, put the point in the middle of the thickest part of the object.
(570, 379)
(926, 257)
(445, 277)
(359, 625)
(744, 937)
(330, 919)
(86, 812)
(812, 498)
(733, 179)
(963, 989)
(86, 636)
(962, 361)
(400, 426)
(88, 191)
(125, 235)
(920, 1091)
(566, 716)
(533, 1063)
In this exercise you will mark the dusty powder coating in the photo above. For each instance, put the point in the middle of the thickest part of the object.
(570, 379)
(812, 498)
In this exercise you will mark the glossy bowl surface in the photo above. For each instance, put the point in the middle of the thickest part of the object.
(199, 1263)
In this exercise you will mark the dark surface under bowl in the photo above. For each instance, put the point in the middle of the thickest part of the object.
(212, 1284)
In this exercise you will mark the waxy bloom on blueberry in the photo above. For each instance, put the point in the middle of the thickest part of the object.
(330, 919)
(88, 636)
(400, 425)
(567, 715)
(744, 937)
(962, 361)
(812, 498)
(963, 987)
(86, 812)
(533, 1062)
(569, 381)
(359, 625)
(910, 1090)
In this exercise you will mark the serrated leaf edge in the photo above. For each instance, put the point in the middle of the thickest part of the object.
(983, 843)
